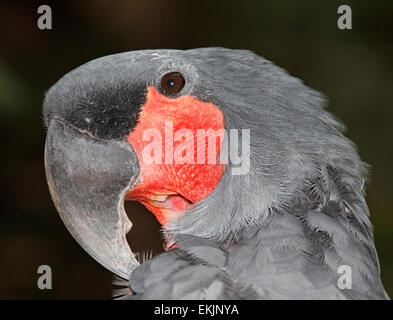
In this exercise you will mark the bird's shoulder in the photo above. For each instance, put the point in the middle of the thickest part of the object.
(302, 252)
(196, 269)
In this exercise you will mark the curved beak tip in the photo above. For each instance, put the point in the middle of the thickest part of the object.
(88, 179)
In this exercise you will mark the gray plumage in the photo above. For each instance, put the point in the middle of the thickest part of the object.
(296, 217)
(196, 270)
(282, 230)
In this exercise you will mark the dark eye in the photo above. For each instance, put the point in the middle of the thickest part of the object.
(172, 83)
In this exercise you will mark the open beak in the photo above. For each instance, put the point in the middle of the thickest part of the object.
(88, 179)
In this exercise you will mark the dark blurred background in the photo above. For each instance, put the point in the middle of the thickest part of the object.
(352, 67)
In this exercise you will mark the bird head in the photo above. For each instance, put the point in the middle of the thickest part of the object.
(152, 126)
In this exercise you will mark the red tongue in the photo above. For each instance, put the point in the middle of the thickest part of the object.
(163, 210)
(176, 202)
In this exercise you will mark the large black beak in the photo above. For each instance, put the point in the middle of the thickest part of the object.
(88, 179)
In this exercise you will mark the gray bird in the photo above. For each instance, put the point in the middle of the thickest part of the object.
(285, 219)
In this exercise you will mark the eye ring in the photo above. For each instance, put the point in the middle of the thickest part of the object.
(172, 83)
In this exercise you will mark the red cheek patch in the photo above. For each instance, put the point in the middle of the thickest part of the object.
(181, 166)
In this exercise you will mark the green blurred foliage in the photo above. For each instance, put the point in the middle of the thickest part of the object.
(353, 68)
